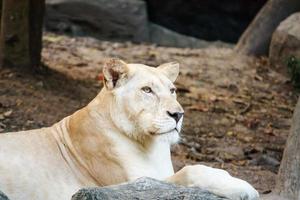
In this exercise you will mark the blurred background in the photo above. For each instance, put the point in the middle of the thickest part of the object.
(153, 20)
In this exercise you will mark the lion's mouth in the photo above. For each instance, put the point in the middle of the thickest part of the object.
(166, 132)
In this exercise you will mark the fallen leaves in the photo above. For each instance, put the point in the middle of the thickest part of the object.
(52, 38)
(198, 107)
(5, 114)
(2, 127)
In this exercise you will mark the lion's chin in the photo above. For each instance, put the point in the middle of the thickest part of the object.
(170, 136)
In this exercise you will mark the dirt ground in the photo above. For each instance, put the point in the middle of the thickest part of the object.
(238, 110)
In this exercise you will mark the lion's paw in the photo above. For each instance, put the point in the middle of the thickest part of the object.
(240, 190)
(219, 182)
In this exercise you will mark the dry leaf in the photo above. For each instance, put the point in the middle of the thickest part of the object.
(199, 107)
(7, 113)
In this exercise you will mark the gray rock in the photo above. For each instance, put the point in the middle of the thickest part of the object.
(266, 162)
(144, 189)
(103, 19)
(166, 37)
(286, 40)
(206, 19)
(3, 196)
(114, 20)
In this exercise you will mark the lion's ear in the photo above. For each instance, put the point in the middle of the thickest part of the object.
(171, 70)
(115, 72)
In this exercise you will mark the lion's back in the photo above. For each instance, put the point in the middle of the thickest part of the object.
(30, 167)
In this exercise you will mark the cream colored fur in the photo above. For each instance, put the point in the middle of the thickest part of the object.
(123, 134)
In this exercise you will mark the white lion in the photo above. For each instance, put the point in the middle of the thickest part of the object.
(123, 134)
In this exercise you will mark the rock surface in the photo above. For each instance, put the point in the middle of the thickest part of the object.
(206, 19)
(286, 40)
(114, 20)
(103, 19)
(144, 189)
(3, 196)
(166, 37)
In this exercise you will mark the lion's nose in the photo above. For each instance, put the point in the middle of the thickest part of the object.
(176, 115)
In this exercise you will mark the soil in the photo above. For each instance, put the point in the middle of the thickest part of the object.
(238, 109)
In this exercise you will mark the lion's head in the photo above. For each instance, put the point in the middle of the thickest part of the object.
(143, 99)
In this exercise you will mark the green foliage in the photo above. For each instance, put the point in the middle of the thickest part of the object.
(293, 65)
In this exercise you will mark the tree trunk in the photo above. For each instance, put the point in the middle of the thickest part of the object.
(14, 37)
(288, 180)
(36, 18)
(257, 37)
(21, 33)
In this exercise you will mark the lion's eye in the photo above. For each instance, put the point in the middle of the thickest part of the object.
(173, 90)
(147, 89)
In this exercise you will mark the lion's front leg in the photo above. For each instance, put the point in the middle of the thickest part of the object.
(216, 181)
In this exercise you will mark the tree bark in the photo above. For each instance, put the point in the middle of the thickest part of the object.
(36, 18)
(288, 180)
(21, 33)
(14, 37)
(257, 37)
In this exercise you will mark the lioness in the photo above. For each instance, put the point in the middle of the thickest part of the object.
(123, 134)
